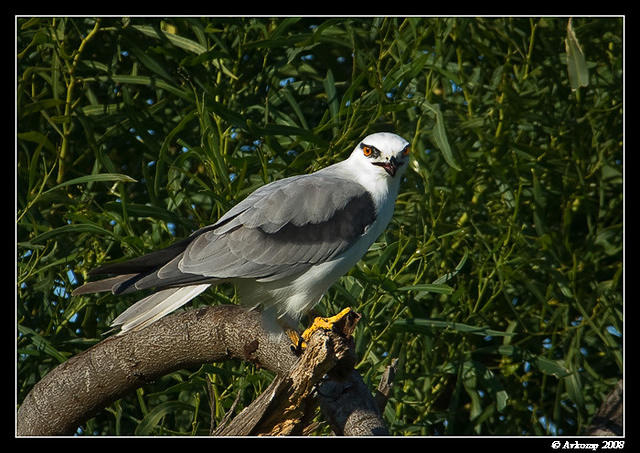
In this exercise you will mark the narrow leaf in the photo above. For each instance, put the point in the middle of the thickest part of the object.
(428, 288)
(42, 343)
(576, 62)
(155, 415)
(330, 89)
(442, 142)
(426, 325)
(551, 367)
(438, 133)
(94, 178)
(176, 40)
(73, 229)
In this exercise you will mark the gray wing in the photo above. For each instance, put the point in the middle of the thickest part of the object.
(282, 229)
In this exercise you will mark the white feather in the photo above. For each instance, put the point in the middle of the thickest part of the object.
(155, 306)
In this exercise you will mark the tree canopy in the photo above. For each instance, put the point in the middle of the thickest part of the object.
(498, 284)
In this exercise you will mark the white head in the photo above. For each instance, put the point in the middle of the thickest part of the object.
(384, 153)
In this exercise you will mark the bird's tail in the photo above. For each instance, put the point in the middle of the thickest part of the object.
(173, 289)
(155, 306)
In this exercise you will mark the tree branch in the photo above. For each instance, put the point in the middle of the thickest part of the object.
(607, 421)
(281, 409)
(83, 385)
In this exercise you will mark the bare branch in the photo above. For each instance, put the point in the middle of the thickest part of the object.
(80, 387)
(288, 403)
(385, 385)
(607, 421)
(349, 408)
(83, 385)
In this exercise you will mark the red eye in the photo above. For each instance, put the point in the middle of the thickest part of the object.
(366, 150)
(406, 150)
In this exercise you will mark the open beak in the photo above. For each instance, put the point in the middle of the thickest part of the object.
(390, 167)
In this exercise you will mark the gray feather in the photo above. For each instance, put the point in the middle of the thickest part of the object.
(280, 230)
(283, 228)
(99, 286)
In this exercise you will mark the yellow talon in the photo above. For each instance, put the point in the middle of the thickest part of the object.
(323, 323)
(347, 319)
(298, 344)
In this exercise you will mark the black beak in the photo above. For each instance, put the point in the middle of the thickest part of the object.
(391, 166)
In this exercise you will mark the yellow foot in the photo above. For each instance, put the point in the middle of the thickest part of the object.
(327, 323)
(344, 323)
(297, 343)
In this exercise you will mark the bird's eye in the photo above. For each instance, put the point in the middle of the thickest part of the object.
(406, 150)
(367, 150)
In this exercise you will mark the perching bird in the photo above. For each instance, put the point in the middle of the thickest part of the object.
(282, 246)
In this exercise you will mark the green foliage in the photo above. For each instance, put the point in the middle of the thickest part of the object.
(498, 283)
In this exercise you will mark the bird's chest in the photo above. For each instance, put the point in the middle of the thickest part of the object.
(330, 271)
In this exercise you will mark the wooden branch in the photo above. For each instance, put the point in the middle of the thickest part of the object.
(80, 387)
(83, 385)
(288, 401)
(607, 421)
(385, 385)
(349, 408)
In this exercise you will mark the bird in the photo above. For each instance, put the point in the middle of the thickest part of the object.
(282, 246)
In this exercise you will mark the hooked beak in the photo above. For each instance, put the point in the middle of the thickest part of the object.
(391, 166)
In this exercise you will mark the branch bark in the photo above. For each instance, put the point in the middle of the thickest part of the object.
(607, 421)
(83, 385)
(289, 400)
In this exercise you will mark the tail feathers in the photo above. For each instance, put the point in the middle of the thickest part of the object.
(144, 263)
(107, 284)
(155, 306)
